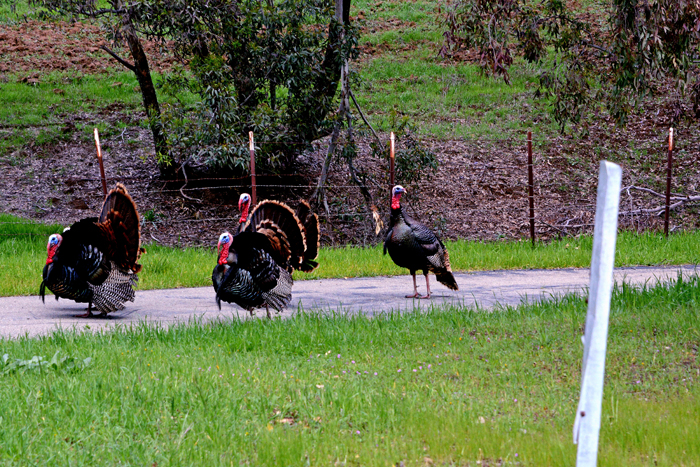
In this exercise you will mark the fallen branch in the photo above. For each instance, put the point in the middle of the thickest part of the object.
(655, 193)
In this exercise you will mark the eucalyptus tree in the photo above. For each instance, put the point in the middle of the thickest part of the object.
(615, 53)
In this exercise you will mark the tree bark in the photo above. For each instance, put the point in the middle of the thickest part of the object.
(150, 98)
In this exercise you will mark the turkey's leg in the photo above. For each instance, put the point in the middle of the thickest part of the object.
(89, 312)
(415, 287)
(427, 285)
(267, 309)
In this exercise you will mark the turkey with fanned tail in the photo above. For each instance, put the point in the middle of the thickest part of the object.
(94, 261)
(255, 266)
(294, 236)
(414, 246)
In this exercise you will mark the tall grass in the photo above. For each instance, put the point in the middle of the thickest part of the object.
(452, 386)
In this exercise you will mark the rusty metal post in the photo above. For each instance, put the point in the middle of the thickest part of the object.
(99, 159)
(391, 161)
(531, 187)
(253, 190)
(669, 170)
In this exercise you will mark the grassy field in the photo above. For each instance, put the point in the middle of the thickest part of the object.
(23, 255)
(448, 387)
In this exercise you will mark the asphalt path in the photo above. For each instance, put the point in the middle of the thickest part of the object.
(28, 316)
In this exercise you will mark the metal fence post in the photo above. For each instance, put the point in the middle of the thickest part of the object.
(669, 170)
(391, 160)
(99, 159)
(531, 187)
(253, 190)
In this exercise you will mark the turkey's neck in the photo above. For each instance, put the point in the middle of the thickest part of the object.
(397, 215)
(244, 214)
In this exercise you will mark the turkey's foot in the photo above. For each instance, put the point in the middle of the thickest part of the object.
(417, 295)
(88, 313)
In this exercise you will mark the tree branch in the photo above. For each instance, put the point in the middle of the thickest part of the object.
(364, 119)
(119, 59)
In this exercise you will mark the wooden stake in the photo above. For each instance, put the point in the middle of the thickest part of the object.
(669, 170)
(99, 159)
(531, 187)
(253, 187)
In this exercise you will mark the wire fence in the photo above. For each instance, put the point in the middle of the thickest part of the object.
(519, 181)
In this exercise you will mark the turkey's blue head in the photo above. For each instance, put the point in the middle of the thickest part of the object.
(54, 242)
(243, 206)
(396, 193)
(225, 240)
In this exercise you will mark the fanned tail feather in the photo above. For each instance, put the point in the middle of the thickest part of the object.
(447, 279)
(311, 231)
(120, 213)
(278, 220)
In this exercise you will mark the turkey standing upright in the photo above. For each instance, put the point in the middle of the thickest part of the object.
(94, 261)
(413, 246)
(255, 265)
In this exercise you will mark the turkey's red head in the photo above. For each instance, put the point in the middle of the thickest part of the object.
(225, 240)
(396, 193)
(243, 206)
(54, 242)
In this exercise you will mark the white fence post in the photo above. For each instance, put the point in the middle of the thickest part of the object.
(587, 423)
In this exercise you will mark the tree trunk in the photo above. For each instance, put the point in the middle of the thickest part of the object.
(150, 98)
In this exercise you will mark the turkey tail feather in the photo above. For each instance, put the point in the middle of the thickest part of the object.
(280, 220)
(447, 279)
(444, 276)
(311, 231)
(120, 213)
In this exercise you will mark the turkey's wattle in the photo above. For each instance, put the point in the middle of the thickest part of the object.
(415, 247)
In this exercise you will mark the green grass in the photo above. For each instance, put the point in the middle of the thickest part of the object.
(23, 255)
(499, 388)
(39, 113)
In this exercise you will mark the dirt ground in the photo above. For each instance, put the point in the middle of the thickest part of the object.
(478, 192)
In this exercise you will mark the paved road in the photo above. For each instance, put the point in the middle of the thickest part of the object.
(28, 316)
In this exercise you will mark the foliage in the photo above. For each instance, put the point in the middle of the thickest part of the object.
(64, 364)
(267, 67)
(270, 68)
(639, 48)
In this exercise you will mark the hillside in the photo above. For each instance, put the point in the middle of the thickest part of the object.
(56, 85)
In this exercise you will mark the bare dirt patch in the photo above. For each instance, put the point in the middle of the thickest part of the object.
(60, 46)
(479, 192)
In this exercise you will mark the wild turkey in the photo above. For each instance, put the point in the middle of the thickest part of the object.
(243, 208)
(294, 236)
(255, 266)
(414, 246)
(94, 261)
(246, 274)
